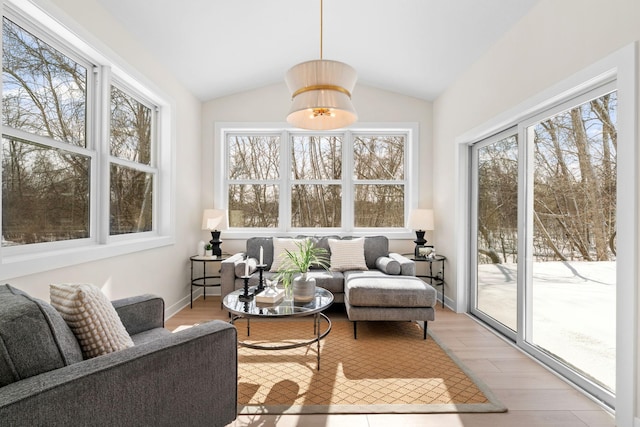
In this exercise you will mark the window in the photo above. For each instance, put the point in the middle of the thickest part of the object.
(46, 165)
(294, 180)
(84, 155)
(316, 181)
(131, 204)
(379, 164)
(254, 173)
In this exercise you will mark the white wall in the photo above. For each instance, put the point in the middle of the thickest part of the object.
(162, 271)
(271, 104)
(554, 41)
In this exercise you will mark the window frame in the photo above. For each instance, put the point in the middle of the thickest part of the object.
(103, 69)
(224, 167)
(410, 130)
(152, 168)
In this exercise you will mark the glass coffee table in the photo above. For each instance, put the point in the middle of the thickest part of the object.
(283, 309)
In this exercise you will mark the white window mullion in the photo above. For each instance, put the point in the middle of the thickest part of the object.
(46, 142)
(102, 128)
(132, 165)
(348, 185)
(525, 234)
(284, 222)
(221, 173)
(412, 171)
(159, 199)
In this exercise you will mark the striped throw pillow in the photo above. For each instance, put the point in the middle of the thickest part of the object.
(347, 255)
(91, 317)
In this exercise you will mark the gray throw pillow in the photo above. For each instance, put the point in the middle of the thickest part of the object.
(240, 268)
(388, 265)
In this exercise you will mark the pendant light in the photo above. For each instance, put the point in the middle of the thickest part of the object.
(321, 92)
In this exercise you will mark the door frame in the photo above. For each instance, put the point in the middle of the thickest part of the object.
(622, 67)
(473, 232)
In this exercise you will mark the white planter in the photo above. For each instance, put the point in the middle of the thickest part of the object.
(304, 288)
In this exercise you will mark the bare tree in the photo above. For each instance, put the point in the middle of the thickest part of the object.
(44, 191)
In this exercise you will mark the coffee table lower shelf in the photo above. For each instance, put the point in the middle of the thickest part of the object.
(317, 318)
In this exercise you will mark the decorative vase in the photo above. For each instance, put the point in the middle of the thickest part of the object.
(304, 288)
(288, 292)
(201, 248)
(208, 252)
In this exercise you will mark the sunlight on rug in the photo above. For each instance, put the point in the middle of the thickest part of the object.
(388, 369)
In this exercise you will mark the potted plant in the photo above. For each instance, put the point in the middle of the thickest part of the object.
(208, 249)
(297, 263)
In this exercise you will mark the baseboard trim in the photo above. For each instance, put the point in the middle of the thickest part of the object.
(185, 301)
(173, 309)
(447, 303)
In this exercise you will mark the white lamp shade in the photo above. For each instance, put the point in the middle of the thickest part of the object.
(321, 95)
(215, 219)
(421, 219)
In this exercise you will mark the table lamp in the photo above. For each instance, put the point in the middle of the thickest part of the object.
(420, 220)
(215, 220)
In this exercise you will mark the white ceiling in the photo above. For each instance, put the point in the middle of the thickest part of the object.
(414, 47)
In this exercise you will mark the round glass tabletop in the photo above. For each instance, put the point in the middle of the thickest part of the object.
(285, 308)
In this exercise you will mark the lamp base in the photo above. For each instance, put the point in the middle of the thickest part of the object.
(420, 242)
(215, 243)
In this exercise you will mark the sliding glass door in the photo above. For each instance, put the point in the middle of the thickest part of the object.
(573, 263)
(544, 237)
(495, 247)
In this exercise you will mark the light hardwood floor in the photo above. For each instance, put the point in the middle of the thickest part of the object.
(535, 397)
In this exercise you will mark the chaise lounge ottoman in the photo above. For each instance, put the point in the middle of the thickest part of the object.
(373, 296)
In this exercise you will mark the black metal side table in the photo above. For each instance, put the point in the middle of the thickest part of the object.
(438, 278)
(206, 280)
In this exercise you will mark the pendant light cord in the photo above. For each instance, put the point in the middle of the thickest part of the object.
(321, 14)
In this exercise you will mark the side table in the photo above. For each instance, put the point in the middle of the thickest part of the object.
(205, 280)
(438, 278)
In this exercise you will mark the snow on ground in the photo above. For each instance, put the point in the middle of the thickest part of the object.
(574, 310)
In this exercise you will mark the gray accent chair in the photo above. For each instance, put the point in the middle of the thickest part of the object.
(165, 379)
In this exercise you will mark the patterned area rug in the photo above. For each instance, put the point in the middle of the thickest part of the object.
(388, 369)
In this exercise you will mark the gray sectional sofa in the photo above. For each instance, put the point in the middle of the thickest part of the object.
(387, 290)
(165, 379)
(374, 247)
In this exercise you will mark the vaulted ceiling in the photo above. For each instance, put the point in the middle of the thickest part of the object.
(413, 47)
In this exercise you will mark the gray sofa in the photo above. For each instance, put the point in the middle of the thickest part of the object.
(387, 291)
(165, 379)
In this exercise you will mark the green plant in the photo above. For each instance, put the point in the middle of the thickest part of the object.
(208, 247)
(301, 260)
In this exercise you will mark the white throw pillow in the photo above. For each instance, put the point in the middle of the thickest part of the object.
(347, 255)
(280, 246)
(92, 318)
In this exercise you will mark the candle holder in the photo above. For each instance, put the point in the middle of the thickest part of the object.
(261, 268)
(246, 296)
